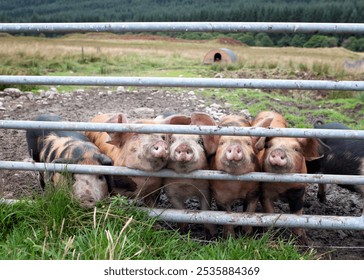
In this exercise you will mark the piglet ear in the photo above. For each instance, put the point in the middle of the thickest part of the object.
(210, 141)
(264, 122)
(117, 138)
(259, 141)
(176, 119)
(202, 119)
(318, 124)
(259, 145)
(103, 159)
(313, 148)
(173, 119)
(117, 118)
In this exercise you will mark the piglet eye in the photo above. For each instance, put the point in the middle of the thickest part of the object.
(163, 137)
(101, 177)
(200, 141)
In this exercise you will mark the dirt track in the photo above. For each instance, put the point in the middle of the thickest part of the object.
(81, 105)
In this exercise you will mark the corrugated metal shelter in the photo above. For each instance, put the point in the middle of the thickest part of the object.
(223, 55)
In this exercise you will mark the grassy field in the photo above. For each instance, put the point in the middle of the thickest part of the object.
(98, 54)
(142, 55)
(54, 227)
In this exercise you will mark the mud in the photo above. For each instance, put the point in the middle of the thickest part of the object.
(83, 104)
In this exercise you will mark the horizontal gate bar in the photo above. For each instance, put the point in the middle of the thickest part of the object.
(200, 174)
(258, 219)
(185, 129)
(248, 219)
(268, 27)
(184, 82)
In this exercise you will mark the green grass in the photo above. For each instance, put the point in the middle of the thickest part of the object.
(300, 109)
(54, 227)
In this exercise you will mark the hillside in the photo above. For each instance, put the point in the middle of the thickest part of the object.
(181, 10)
(349, 11)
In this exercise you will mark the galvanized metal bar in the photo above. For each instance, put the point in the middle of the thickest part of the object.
(258, 219)
(247, 219)
(268, 27)
(184, 82)
(200, 174)
(11, 201)
(185, 129)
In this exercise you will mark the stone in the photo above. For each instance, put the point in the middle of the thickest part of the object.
(246, 114)
(52, 94)
(215, 106)
(13, 92)
(120, 90)
(41, 93)
(67, 95)
(143, 112)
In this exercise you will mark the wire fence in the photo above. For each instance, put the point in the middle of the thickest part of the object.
(256, 219)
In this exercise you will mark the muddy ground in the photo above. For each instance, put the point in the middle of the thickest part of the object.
(81, 105)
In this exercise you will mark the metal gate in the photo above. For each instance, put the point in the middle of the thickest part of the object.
(256, 219)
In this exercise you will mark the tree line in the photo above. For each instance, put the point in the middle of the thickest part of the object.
(343, 11)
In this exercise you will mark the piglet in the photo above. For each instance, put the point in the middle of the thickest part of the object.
(147, 152)
(285, 155)
(236, 155)
(343, 157)
(189, 153)
(70, 147)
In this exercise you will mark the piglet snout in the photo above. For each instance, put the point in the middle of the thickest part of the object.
(234, 153)
(160, 149)
(184, 153)
(278, 157)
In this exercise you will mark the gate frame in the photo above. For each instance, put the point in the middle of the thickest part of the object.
(255, 219)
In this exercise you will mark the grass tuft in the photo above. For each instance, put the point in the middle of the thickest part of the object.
(54, 226)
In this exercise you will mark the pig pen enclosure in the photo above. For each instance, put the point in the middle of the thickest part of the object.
(338, 225)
